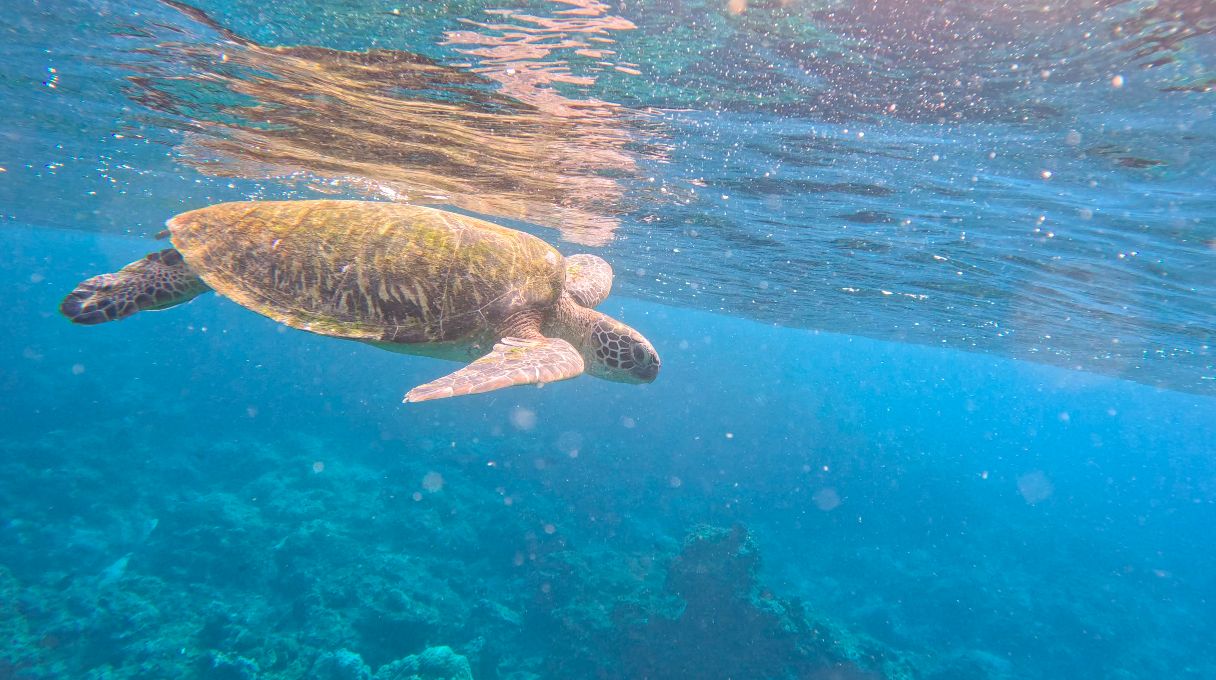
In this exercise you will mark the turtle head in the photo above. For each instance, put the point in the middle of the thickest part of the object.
(616, 352)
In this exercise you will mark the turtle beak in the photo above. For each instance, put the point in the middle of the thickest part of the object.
(648, 373)
(646, 362)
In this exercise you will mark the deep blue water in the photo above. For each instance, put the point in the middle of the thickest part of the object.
(932, 282)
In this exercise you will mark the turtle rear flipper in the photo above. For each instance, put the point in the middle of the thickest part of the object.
(514, 361)
(157, 281)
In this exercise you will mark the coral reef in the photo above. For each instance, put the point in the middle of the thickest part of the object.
(435, 663)
(246, 569)
(731, 626)
(254, 557)
(699, 612)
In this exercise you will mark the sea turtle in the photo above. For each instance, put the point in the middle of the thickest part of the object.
(403, 277)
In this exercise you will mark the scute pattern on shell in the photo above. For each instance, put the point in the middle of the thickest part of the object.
(387, 272)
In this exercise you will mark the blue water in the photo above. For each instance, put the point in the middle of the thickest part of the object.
(932, 283)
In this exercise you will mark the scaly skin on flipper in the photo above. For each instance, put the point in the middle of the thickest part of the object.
(382, 272)
(157, 281)
(514, 361)
(588, 279)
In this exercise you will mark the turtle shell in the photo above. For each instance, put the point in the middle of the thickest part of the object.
(386, 272)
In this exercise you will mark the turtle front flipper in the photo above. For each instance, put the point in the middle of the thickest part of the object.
(157, 281)
(588, 279)
(514, 361)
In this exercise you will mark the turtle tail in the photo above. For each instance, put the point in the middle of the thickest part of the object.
(157, 281)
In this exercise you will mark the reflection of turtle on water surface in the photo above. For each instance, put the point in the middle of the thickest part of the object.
(407, 278)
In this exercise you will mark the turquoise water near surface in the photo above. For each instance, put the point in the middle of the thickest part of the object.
(937, 395)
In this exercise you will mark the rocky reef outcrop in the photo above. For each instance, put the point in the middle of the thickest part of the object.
(709, 617)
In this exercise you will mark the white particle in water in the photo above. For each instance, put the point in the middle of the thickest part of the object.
(432, 482)
(1035, 487)
(826, 499)
(523, 418)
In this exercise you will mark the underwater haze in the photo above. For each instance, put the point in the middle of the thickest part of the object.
(933, 283)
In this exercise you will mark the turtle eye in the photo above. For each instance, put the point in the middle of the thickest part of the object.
(639, 354)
